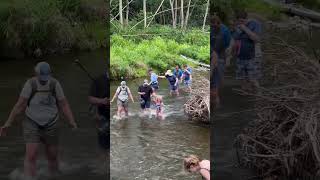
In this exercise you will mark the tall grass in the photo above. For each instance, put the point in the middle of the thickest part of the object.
(52, 25)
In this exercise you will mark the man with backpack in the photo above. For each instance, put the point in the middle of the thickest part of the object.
(41, 98)
(123, 92)
(187, 76)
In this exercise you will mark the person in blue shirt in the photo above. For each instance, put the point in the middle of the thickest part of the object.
(220, 38)
(247, 36)
(187, 76)
(153, 80)
(177, 71)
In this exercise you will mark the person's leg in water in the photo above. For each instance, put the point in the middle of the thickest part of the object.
(52, 157)
(126, 109)
(32, 150)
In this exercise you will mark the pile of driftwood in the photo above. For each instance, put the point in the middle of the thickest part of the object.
(283, 141)
(198, 105)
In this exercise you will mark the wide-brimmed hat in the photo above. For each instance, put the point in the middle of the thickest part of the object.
(169, 73)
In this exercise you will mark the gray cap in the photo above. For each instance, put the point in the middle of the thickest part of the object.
(123, 83)
(43, 71)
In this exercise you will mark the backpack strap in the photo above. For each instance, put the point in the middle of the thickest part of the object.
(34, 89)
(52, 86)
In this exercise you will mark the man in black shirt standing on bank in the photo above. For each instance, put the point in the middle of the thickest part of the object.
(99, 96)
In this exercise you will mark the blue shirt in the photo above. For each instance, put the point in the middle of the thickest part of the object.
(178, 73)
(154, 77)
(187, 74)
(220, 41)
(247, 46)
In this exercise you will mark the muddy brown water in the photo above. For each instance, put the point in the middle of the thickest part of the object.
(149, 148)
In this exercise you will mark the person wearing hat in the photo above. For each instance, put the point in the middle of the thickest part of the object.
(41, 98)
(145, 91)
(123, 92)
(173, 82)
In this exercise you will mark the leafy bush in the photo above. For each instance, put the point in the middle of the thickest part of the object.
(132, 56)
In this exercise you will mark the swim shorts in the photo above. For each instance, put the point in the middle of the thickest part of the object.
(248, 69)
(123, 104)
(155, 85)
(173, 87)
(187, 83)
(34, 133)
(145, 103)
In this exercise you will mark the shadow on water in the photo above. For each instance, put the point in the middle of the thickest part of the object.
(78, 150)
(149, 148)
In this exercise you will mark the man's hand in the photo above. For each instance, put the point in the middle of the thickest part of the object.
(105, 101)
(3, 130)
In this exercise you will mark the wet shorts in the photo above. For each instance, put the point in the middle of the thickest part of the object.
(155, 85)
(173, 87)
(34, 133)
(145, 103)
(122, 104)
(248, 69)
(187, 82)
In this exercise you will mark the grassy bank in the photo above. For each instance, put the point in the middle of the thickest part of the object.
(158, 47)
(33, 27)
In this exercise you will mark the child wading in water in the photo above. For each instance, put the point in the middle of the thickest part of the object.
(194, 164)
(158, 100)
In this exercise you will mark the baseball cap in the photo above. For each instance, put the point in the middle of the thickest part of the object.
(43, 71)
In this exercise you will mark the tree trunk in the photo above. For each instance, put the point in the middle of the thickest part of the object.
(181, 14)
(120, 13)
(145, 12)
(155, 13)
(205, 15)
(187, 15)
(127, 13)
(175, 13)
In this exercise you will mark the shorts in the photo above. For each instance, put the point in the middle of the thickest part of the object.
(123, 104)
(155, 85)
(159, 109)
(187, 83)
(218, 74)
(173, 87)
(248, 69)
(34, 133)
(145, 104)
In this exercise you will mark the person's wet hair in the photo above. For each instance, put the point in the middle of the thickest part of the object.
(191, 160)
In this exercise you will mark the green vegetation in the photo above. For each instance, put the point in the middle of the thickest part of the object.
(32, 27)
(223, 8)
(158, 47)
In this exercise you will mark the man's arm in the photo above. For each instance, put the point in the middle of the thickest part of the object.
(18, 108)
(115, 95)
(205, 174)
(252, 35)
(65, 107)
(130, 94)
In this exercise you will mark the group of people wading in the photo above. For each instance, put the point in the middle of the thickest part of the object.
(42, 98)
(240, 41)
(148, 91)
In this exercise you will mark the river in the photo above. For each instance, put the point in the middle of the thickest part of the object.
(149, 148)
(79, 149)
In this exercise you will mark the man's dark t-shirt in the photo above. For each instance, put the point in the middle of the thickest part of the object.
(100, 89)
(147, 90)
